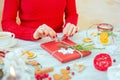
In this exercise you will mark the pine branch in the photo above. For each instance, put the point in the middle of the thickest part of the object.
(83, 47)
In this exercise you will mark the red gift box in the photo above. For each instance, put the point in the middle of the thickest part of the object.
(52, 47)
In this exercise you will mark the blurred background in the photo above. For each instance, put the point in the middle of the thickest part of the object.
(93, 12)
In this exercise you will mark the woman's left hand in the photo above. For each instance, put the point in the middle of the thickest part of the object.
(70, 29)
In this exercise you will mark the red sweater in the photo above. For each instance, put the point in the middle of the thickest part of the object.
(33, 13)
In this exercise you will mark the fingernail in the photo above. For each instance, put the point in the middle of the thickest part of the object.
(53, 37)
(71, 35)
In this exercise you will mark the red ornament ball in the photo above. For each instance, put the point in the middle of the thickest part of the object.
(114, 60)
(102, 61)
(73, 73)
(49, 78)
(46, 75)
(68, 68)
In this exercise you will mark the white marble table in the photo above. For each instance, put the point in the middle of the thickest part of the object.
(47, 60)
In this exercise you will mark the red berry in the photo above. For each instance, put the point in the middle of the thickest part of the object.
(46, 75)
(36, 76)
(49, 78)
(41, 76)
(73, 73)
(114, 60)
(68, 68)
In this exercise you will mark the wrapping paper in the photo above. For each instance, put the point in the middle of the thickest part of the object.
(52, 47)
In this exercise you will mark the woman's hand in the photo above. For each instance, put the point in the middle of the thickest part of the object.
(44, 31)
(70, 29)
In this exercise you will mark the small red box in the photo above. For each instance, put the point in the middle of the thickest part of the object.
(52, 47)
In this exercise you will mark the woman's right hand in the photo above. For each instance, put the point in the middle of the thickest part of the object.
(44, 31)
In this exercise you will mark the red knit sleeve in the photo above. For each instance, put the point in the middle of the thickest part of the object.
(70, 12)
(10, 10)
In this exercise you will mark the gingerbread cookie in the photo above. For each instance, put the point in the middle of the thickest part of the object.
(63, 76)
(64, 71)
(66, 77)
(79, 67)
(37, 68)
(33, 63)
(57, 77)
(42, 71)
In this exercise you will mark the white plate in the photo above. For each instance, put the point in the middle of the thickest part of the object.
(12, 44)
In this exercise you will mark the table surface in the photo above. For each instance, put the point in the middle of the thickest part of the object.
(89, 73)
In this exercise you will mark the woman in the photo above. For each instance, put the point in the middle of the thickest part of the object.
(40, 18)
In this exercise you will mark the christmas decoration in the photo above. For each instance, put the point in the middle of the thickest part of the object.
(102, 61)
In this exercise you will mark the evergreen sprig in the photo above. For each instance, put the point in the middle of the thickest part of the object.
(81, 47)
